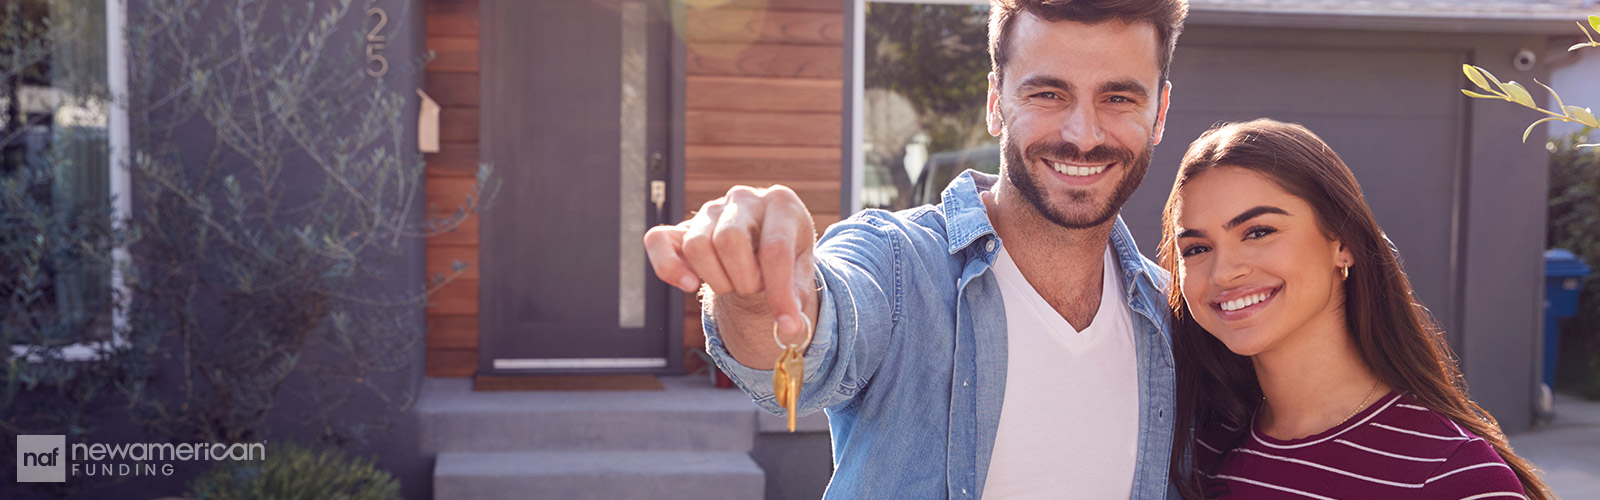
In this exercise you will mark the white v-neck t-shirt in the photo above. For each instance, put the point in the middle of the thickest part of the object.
(1069, 423)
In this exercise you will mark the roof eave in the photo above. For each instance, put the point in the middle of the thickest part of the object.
(1541, 24)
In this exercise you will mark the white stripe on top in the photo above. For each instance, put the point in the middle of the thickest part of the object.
(1495, 494)
(1388, 454)
(1336, 470)
(1469, 467)
(1369, 417)
(1273, 486)
(1422, 434)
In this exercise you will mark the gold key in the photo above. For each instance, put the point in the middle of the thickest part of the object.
(789, 371)
(795, 366)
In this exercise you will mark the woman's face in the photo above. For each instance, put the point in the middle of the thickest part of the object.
(1255, 267)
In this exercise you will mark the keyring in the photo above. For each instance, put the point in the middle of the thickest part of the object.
(781, 345)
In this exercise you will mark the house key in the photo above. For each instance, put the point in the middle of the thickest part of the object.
(790, 369)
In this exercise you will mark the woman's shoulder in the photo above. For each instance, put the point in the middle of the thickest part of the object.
(1397, 445)
(1461, 462)
(1404, 423)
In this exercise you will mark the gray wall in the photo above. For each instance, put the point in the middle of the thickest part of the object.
(395, 448)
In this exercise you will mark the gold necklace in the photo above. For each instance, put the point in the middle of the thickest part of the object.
(1363, 404)
(1364, 401)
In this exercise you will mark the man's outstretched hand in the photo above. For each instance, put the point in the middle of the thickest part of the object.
(753, 247)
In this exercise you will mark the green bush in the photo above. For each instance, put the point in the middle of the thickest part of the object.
(292, 472)
(1575, 225)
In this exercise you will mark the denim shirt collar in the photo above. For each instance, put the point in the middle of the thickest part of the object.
(965, 217)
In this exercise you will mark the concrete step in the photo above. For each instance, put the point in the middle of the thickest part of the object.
(689, 415)
(598, 475)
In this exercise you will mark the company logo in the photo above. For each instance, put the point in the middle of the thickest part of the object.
(41, 459)
(45, 459)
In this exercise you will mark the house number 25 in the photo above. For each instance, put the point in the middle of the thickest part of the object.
(377, 65)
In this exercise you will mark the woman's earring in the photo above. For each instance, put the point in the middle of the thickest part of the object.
(1345, 271)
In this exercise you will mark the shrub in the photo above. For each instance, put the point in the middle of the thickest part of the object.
(293, 472)
(1574, 224)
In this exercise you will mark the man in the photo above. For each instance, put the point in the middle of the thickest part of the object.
(952, 365)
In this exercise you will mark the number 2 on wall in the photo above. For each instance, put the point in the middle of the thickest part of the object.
(377, 65)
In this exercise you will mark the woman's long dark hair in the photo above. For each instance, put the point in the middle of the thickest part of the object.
(1396, 336)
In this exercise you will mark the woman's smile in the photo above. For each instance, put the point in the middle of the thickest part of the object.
(1243, 302)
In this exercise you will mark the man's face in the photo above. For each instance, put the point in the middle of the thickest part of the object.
(1081, 108)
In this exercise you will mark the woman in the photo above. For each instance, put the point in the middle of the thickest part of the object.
(1306, 369)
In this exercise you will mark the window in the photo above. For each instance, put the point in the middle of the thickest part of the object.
(919, 101)
(60, 128)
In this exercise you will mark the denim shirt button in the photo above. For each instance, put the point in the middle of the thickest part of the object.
(988, 246)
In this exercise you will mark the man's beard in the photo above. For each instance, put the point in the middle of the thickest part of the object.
(1020, 172)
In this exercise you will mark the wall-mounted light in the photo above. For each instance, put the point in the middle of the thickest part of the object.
(427, 124)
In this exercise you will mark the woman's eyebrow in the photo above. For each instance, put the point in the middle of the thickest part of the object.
(1236, 221)
(1251, 214)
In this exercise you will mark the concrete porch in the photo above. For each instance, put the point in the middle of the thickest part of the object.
(690, 441)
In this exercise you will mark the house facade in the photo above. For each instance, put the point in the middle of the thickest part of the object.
(603, 118)
(584, 107)
(767, 92)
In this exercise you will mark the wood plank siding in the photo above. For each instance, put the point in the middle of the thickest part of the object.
(763, 104)
(452, 80)
(763, 87)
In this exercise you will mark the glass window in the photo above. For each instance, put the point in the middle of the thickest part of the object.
(925, 76)
(54, 117)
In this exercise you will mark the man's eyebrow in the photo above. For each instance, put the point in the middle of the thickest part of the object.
(1236, 221)
(1044, 81)
(1128, 85)
(1251, 214)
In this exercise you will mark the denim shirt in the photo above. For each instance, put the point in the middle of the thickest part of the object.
(909, 355)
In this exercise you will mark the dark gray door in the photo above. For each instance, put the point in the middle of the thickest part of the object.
(575, 102)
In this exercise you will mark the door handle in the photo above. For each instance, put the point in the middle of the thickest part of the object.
(658, 189)
(658, 196)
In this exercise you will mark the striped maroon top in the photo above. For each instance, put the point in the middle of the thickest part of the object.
(1395, 448)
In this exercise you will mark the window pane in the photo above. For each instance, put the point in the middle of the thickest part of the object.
(53, 119)
(926, 73)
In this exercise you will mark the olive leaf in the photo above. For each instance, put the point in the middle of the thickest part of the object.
(1519, 94)
(1476, 75)
(1581, 115)
(1535, 124)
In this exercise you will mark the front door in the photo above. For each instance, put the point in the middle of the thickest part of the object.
(575, 106)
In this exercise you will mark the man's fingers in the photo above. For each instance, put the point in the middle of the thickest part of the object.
(664, 246)
(701, 255)
(777, 255)
(786, 240)
(734, 238)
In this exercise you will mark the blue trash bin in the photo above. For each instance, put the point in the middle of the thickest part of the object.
(1563, 279)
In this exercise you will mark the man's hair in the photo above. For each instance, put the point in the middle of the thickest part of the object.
(1166, 15)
